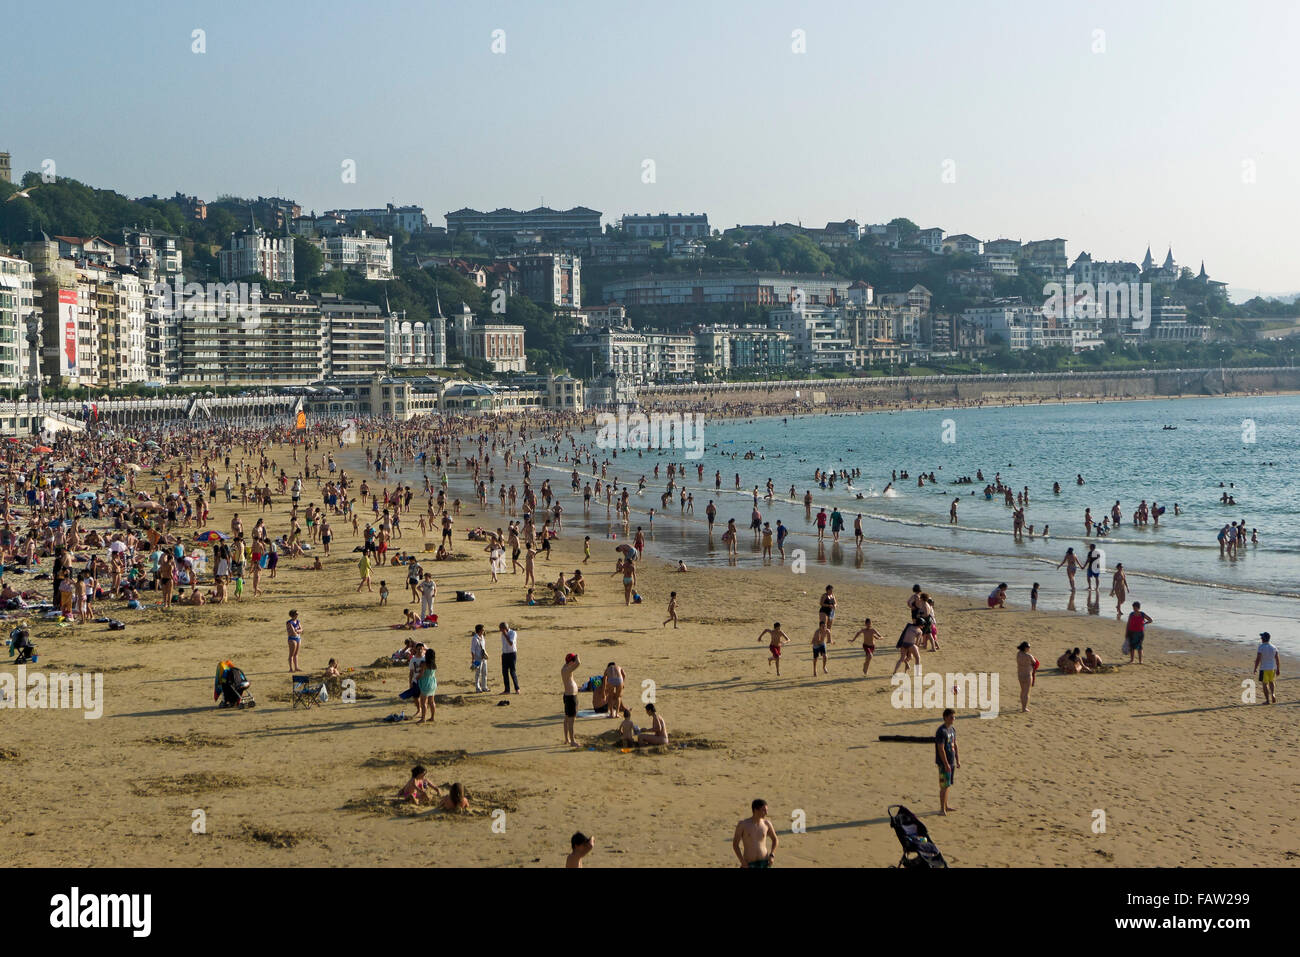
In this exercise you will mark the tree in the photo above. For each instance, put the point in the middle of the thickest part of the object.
(307, 260)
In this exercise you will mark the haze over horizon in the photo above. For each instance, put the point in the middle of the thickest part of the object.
(1175, 132)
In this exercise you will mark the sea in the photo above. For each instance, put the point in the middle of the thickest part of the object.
(1183, 452)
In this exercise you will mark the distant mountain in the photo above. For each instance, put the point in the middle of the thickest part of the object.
(1238, 296)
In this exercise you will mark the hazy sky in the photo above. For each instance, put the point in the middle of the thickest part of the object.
(1144, 142)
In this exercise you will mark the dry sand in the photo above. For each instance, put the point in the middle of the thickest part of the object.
(1185, 773)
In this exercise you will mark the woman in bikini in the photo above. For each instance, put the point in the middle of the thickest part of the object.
(658, 733)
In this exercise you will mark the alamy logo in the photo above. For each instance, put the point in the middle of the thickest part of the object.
(133, 911)
(1107, 300)
(39, 691)
(636, 430)
(938, 690)
(238, 300)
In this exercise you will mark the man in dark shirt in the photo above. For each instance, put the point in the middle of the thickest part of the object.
(945, 755)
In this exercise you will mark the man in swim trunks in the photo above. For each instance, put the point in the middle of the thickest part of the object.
(945, 756)
(1092, 563)
(868, 635)
(820, 639)
(1135, 631)
(571, 664)
(777, 638)
(750, 842)
(1269, 665)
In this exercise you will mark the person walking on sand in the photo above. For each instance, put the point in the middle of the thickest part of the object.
(1135, 631)
(672, 610)
(820, 639)
(776, 638)
(509, 657)
(570, 694)
(1025, 673)
(427, 683)
(1119, 589)
(1268, 663)
(755, 840)
(363, 568)
(868, 635)
(478, 658)
(945, 756)
(293, 631)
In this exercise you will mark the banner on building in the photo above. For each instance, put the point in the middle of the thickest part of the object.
(68, 326)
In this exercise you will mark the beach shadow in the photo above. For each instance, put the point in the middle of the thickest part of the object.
(840, 825)
(1222, 707)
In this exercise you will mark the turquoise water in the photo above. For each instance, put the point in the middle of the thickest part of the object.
(1120, 448)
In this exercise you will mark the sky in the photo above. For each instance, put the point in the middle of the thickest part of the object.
(1112, 125)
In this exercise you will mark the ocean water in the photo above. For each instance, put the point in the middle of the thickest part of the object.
(1121, 449)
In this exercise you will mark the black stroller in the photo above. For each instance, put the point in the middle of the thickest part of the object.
(230, 690)
(918, 849)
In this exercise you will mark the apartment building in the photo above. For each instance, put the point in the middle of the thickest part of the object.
(665, 225)
(367, 256)
(255, 252)
(554, 278)
(17, 308)
(504, 223)
(744, 289)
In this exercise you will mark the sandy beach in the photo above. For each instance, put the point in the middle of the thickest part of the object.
(1164, 756)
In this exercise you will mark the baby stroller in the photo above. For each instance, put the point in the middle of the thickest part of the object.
(230, 689)
(918, 849)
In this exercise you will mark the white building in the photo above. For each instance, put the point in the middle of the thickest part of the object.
(420, 344)
(368, 256)
(670, 357)
(819, 335)
(17, 305)
(410, 219)
(255, 252)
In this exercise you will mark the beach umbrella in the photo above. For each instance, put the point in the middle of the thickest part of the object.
(210, 536)
(42, 449)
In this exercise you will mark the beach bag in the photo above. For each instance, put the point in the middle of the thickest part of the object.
(323, 696)
(1124, 649)
(464, 596)
(636, 599)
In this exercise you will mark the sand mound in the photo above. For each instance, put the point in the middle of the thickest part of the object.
(383, 801)
(409, 759)
(189, 740)
(187, 784)
(275, 837)
(678, 741)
